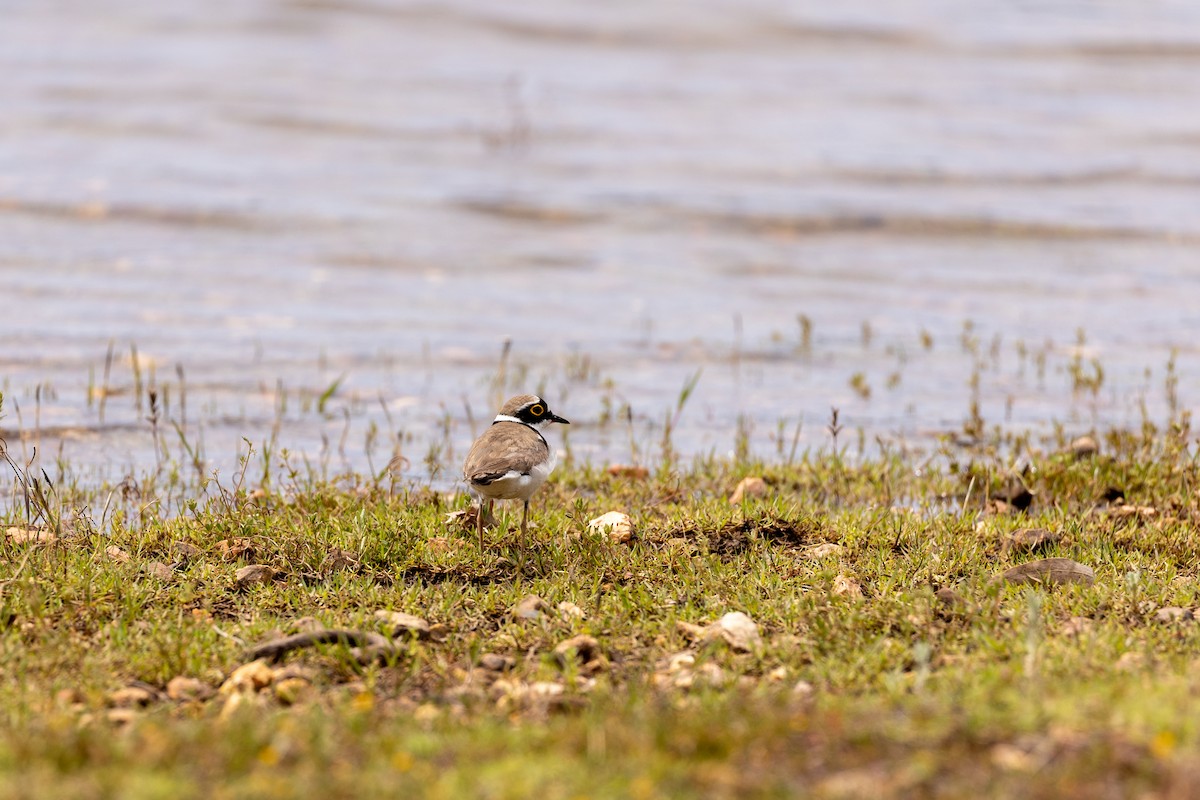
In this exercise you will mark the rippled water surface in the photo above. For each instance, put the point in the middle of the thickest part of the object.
(267, 197)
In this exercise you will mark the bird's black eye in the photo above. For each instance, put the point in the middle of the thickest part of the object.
(537, 409)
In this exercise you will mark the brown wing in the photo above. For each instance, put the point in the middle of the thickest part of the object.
(505, 447)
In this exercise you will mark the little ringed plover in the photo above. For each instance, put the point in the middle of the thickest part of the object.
(512, 458)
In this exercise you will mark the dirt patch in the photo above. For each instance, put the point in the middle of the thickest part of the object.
(472, 577)
(735, 538)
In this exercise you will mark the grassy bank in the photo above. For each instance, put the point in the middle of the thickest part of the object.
(884, 651)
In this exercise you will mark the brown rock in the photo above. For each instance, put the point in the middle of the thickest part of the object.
(823, 550)
(1174, 614)
(616, 525)
(569, 612)
(735, 629)
(248, 678)
(494, 662)
(749, 487)
(1000, 507)
(1128, 510)
(530, 607)
(1027, 540)
(235, 549)
(29, 536)
(627, 471)
(582, 649)
(307, 625)
(120, 717)
(339, 559)
(291, 691)
(185, 551)
(739, 632)
(447, 544)
(401, 624)
(1130, 661)
(950, 600)
(116, 554)
(131, 697)
(184, 688)
(157, 569)
(254, 574)
(1083, 447)
(293, 670)
(1077, 626)
(846, 586)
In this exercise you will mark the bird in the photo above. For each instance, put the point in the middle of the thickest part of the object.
(512, 459)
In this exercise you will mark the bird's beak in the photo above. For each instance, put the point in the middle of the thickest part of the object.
(557, 418)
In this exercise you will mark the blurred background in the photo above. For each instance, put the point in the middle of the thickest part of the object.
(313, 225)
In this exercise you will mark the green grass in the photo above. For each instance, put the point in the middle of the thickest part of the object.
(884, 691)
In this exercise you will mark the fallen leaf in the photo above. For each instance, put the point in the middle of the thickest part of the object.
(1049, 571)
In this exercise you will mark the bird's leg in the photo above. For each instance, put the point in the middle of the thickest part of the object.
(525, 527)
(479, 523)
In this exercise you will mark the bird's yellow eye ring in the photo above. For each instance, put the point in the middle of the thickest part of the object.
(537, 410)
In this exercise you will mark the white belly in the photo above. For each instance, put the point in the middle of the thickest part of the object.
(515, 486)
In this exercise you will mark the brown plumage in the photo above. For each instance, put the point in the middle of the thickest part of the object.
(511, 459)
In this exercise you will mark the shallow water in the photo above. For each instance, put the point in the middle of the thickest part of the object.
(273, 195)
